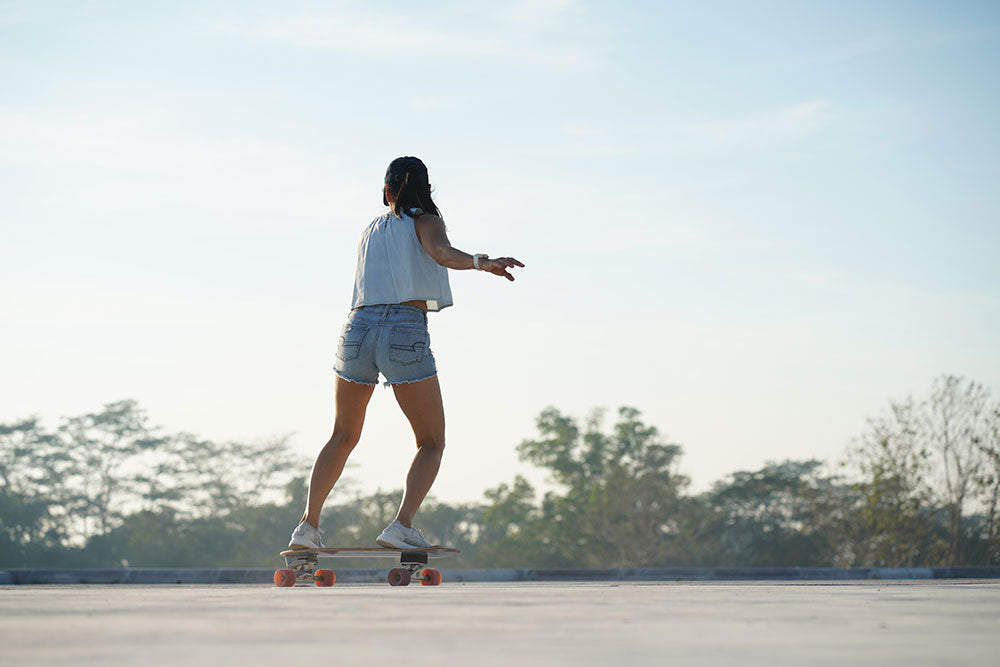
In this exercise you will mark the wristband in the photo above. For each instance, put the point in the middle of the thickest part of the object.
(476, 258)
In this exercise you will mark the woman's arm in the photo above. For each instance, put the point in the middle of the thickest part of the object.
(433, 237)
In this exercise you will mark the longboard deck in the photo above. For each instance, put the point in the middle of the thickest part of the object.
(434, 551)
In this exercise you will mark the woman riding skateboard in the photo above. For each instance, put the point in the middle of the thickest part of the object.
(401, 274)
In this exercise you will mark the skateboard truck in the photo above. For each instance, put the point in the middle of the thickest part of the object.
(411, 567)
(303, 564)
(413, 558)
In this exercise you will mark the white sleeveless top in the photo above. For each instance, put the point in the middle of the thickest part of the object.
(393, 267)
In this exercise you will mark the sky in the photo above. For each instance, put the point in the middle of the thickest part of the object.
(757, 223)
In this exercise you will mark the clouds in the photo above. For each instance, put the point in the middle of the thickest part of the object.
(779, 126)
(123, 159)
(515, 34)
(532, 14)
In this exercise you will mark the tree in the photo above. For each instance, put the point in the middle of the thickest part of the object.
(155, 499)
(956, 424)
(622, 502)
(226, 478)
(892, 524)
(772, 516)
(988, 486)
(511, 532)
(101, 446)
(101, 480)
(34, 468)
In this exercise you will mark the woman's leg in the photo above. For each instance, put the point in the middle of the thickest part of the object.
(422, 405)
(351, 403)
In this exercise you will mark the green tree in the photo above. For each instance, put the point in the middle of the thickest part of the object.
(106, 487)
(772, 516)
(511, 532)
(34, 467)
(622, 504)
(893, 522)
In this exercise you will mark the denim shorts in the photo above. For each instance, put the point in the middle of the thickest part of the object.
(390, 338)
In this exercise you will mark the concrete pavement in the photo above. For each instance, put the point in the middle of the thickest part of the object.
(747, 623)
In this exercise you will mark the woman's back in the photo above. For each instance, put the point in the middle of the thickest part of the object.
(393, 267)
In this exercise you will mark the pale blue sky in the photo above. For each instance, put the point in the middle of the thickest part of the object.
(756, 222)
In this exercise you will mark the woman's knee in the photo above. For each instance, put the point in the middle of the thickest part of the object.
(433, 443)
(345, 437)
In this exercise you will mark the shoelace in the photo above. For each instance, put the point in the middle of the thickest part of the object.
(317, 534)
(415, 532)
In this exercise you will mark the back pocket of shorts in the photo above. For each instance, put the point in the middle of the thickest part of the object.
(408, 345)
(350, 341)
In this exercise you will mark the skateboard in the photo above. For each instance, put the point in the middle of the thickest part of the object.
(300, 564)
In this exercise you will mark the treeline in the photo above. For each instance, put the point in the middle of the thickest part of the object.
(920, 486)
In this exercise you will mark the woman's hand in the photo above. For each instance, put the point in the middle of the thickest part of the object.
(499, 266)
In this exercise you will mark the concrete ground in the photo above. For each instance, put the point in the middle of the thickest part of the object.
(747, 623)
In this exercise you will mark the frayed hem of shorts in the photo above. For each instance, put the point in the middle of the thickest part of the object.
(389, 384)
(344, 377)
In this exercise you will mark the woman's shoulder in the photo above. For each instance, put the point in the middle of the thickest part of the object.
(424, 217)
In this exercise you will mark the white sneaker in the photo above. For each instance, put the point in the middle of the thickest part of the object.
(306, 537)
(398, 536)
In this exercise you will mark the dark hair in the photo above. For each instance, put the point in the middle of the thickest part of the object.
(407, 180)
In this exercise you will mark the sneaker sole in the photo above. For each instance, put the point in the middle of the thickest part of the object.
(391, 545)
(400, 545)
(304, 547)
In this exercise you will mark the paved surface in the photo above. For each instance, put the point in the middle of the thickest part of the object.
(878, 623)
(152, 575)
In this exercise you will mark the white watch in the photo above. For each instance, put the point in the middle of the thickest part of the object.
(476, 258)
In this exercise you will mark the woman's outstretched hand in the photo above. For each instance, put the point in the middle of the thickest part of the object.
(499, 266)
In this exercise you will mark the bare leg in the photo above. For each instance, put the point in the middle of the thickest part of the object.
(422, 405)
(351, 403)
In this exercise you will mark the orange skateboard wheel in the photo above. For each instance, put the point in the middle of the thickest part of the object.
(399, 576)
(284, 578)
(431, 577)
(324, 577)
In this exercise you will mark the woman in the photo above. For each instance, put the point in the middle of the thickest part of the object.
(401, 274)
